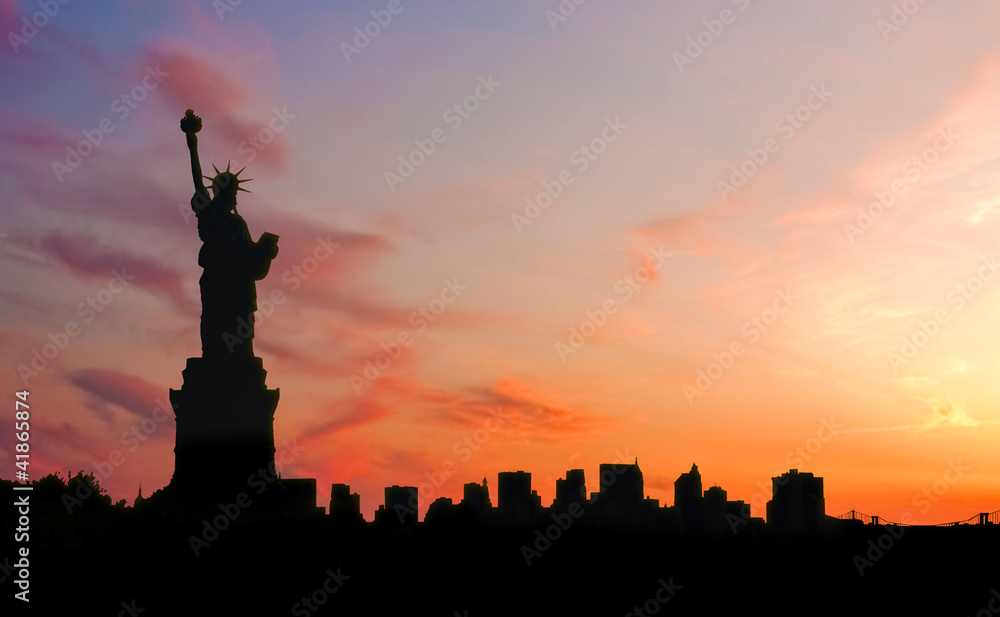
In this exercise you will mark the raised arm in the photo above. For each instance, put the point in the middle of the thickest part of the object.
(191, 124)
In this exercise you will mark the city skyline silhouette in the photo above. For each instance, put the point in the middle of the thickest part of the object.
(392, 310)
(577, 308)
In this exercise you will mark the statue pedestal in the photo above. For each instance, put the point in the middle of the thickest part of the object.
(225, 426)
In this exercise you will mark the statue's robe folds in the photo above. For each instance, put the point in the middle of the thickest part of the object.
(232, 263)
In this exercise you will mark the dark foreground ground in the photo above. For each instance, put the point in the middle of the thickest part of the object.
(94, 558)
(263, 568)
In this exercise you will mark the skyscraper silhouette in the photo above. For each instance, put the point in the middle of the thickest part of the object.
(797, 504)
(517, 502)
(688, 499)
(621, 493)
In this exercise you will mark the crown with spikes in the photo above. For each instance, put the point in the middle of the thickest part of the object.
(222, 180)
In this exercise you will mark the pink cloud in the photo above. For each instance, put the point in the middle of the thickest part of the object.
(85, 259)
(33, 135)
(195, 83)
(218, 97)
(131, 393)
(10, 21)
(351, 415)
(530, 414)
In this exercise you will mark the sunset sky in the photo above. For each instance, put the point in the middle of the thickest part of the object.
(749, 235)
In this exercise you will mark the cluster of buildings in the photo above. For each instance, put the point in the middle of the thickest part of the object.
(797, 505)
(225, 442)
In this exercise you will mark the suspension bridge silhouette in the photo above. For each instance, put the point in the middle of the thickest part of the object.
(983, 518)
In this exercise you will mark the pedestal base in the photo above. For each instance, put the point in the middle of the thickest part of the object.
(225, 426)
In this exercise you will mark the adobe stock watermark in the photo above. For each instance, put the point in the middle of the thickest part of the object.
(454, 117)
(88, 310)
(665, 592)
(31, 27)
(989, 609)
(795, 458)
(900, 15)
(752, 330)
(420, 319)
(877, 549)
(801, 454)
(581, 159)
(930, 495)
(123, 107)
(307, 605)
(470, 443)
(293, 278)
(787, 127)
(625, 288)
(929, 328)
(6, 570)
(249, 148)
(564, 10)
(260, 481)
(562, 521)
(364, 35)
(257, 142)
(714, 28)
(130, 609)
(912, 170)
(225, 6)
(136, 434)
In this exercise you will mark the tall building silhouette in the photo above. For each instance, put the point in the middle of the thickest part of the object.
(400, 507)
(345, 506)
(621, 483)
(621, 493)
(441, 512)
(713, 509)
(797, 504)
(517, 502)
(688, 499)
(513, 489)
(571, 489)
(477, 496)
(476, 499)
